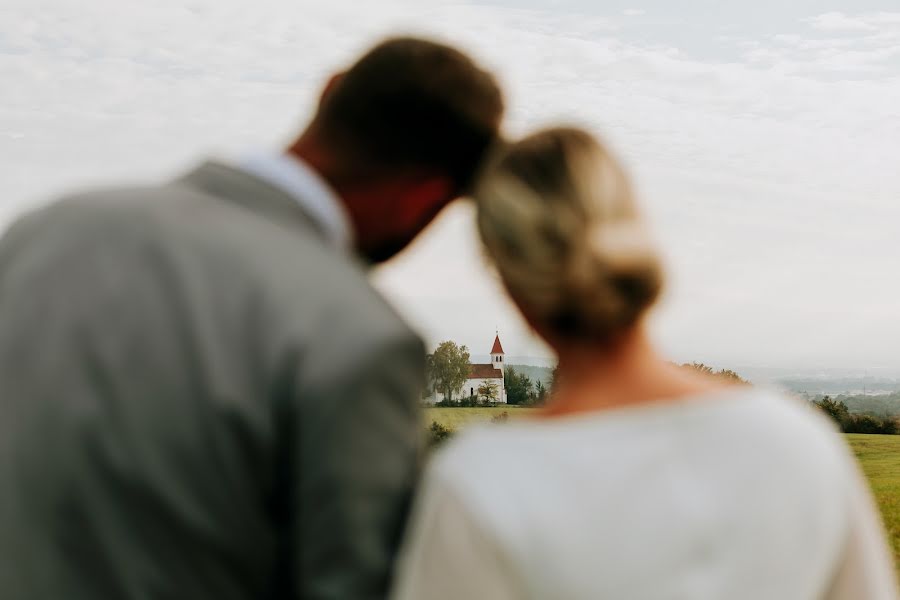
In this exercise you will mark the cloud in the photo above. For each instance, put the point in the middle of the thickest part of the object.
(770, 176)
(837, 45)
(634, 12)
(838, 21)
(863, 22)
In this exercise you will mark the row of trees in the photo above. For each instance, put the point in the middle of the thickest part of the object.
(521, 390)
(855, 423)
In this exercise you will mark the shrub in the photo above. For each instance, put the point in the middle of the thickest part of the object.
(870, 424)
(469, 402)
(464, 402)
(438, 434)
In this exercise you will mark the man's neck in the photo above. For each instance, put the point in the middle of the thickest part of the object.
(314, 154)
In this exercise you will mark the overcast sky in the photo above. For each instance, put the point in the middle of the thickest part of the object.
(764, 139)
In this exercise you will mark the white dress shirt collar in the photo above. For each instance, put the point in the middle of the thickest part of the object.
(301, 182)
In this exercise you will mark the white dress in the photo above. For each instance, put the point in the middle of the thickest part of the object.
(737, 495)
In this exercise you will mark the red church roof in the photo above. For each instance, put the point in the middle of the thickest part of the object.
(484, 372)
(497, 349)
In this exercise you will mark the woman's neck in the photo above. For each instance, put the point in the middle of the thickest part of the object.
(631, 373)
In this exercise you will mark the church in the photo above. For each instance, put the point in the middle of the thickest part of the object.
(480, 374)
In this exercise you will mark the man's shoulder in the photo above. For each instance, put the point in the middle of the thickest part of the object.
(221, 244)
(179, 218)
(131, 209)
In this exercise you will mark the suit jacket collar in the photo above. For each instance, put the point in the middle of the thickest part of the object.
(309, 189)
(251, 192)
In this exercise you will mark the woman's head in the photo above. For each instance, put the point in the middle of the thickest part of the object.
(557, 216)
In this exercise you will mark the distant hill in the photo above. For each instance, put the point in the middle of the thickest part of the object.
(862, 383)
(535, 374)
(884, 405)
(841, 385)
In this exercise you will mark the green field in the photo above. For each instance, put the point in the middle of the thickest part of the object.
(455, 418)
(880, 459)
(879, 456)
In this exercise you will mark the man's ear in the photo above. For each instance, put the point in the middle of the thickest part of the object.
(333, 81)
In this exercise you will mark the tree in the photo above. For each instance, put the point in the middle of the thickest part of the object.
(540, 393)
(554, 379)
(726, 374)
(700, 368)
(732, 377)
(837, 410)
(518, 386)
(488, 392)
(447, 369)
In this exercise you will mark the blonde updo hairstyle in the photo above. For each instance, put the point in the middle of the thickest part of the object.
(557, 217)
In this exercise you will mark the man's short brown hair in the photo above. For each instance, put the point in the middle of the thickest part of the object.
(412, 103)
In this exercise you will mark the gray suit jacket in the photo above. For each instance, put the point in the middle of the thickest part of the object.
(199, 398)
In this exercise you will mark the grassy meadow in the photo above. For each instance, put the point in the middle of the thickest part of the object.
(456, 418)
(879, 456)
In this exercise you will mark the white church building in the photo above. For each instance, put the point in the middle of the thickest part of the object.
(479, 374)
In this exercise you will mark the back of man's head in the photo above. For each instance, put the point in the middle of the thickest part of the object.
(399, 135)
(411, 104)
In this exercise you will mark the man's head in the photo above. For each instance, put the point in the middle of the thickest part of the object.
(399, 135)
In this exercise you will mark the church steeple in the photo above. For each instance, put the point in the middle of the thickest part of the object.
(497, 354)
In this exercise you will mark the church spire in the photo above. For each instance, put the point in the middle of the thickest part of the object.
(498, 348)
(497, 355)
